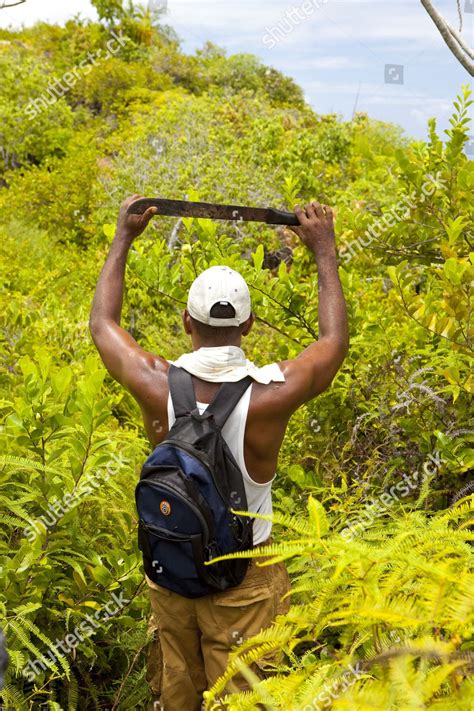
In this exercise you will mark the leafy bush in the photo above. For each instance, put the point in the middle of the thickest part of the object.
(22, 139)
(389, 594)
(384, 621)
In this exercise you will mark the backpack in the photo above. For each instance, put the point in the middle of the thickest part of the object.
(187, 488)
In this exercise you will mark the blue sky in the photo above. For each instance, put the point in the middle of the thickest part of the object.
(337, 50)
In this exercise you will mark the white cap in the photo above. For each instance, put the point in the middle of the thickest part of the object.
(219, 284)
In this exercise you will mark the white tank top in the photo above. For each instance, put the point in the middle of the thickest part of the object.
(259, 496)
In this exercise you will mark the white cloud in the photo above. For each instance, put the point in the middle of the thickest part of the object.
(327, 62)
(342, 36)
(353, 19)
(46, 10)
(427, 103)
(318, 87)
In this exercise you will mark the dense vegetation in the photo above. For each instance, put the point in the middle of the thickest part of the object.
(376, 471)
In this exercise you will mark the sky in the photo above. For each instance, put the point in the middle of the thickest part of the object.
(384, 57)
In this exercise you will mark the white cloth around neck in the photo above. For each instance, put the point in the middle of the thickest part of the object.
(226, 364)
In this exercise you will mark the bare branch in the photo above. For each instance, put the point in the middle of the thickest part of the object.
(451, 37)
(4, 4)
(458, 2)
(462, 43)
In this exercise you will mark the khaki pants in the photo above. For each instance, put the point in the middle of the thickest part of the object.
(193, 637)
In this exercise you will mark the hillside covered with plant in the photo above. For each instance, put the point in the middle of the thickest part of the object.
(376, 472)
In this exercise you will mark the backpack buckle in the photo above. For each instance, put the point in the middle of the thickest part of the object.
(195, 414)
(212, 551)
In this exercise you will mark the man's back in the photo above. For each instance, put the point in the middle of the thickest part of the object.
(145, 374)
(270, 409)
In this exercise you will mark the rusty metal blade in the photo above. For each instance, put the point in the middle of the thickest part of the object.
(184, 208)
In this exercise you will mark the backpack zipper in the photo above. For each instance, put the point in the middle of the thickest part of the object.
(188, 502)
(189, 449)
(164, 532)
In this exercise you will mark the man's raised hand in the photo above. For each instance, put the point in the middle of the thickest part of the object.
(131, 226)
(316, 228)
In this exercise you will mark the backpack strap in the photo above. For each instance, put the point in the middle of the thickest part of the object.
(181, 391)
(184, 398)
(226, 399)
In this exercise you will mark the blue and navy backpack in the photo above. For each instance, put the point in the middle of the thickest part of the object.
(187, 488)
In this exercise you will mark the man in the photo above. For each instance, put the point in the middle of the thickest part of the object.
(196, 635)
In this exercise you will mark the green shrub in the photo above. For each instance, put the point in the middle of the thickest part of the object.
(151, 119)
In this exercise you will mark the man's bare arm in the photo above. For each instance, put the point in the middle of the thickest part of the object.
(313, 370)
(125, 360)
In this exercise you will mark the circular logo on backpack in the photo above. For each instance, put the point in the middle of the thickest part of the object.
(165, 508)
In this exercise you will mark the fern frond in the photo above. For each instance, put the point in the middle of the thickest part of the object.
(436, 678)
(12, 521)
(27, 464)
(16, 660)
(13, 698)
(461, 508)
(277, 552)
(15, 507)
(34, 629)
(72, 693)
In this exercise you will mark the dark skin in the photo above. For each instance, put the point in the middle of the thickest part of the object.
(145, 375)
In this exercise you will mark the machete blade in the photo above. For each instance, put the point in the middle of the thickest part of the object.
(184, 208)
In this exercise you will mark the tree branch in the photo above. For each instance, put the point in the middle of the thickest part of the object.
(451, 37)
(3, 4)
(458, 3)
(461, 42)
